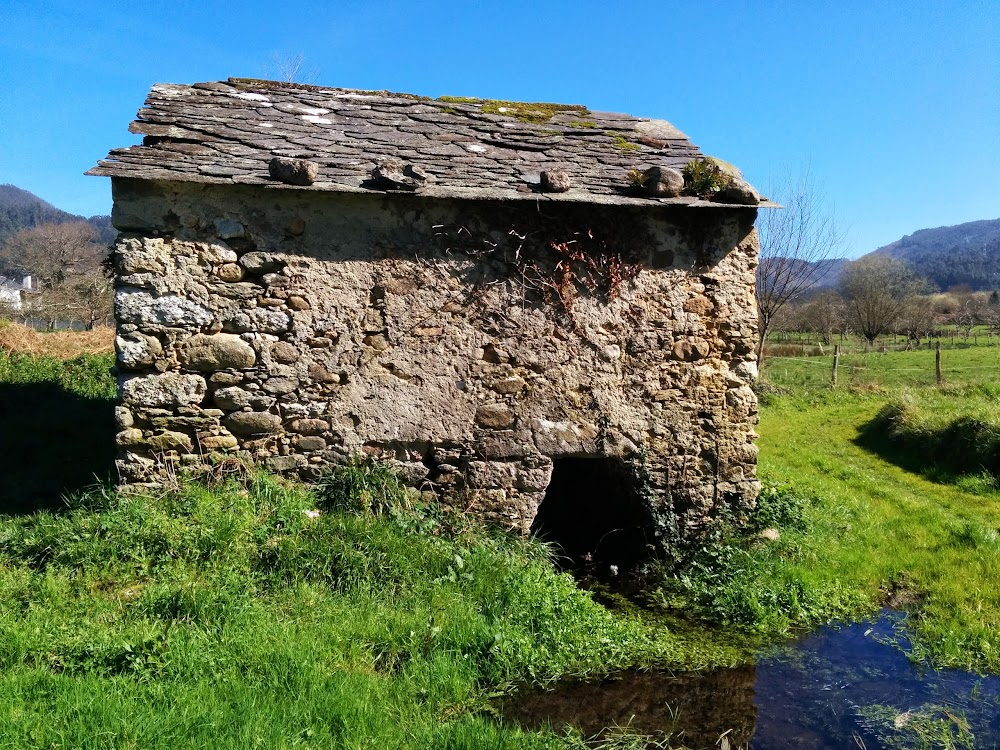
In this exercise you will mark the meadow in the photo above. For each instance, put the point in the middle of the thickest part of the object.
(905, 502)
(244, 610)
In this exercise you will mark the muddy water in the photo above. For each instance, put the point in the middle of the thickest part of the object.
(843, 687)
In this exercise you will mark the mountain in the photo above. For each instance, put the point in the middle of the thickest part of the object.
(20, 209)
(962, 255)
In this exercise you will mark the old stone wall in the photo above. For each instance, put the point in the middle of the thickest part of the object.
(468, 343)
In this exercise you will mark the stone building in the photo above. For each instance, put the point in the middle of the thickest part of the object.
(525, 308)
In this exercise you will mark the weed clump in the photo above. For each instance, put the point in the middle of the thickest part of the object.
(742, 579)
(705, 177)
(963, 444)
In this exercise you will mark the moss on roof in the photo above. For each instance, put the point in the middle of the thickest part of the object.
(531, 112)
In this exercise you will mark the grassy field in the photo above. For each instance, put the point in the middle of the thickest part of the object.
(251, 612)
(884, 522)
(255, 613)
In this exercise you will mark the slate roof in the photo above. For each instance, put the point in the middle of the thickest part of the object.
(226, 133)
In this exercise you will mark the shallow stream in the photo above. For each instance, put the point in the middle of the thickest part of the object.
(849, 686)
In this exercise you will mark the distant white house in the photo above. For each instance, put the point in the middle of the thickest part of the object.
(12, 291)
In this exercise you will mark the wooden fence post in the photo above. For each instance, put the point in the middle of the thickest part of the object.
(836, 364)
(937, 363)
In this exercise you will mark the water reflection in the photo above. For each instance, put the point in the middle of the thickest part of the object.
(843, 687)
(853, 686)
(694, 708)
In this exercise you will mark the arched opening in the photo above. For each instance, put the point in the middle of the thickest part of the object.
(593, 514)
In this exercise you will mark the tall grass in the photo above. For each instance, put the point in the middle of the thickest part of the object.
(20, 339)
(954, 431)
(253, 613)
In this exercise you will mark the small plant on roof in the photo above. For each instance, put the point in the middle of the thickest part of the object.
(637, 178)
(704, 177)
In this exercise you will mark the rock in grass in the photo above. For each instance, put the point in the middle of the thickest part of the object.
(770, 534)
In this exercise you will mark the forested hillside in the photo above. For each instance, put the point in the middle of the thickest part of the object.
(20, 209)
(962, 255)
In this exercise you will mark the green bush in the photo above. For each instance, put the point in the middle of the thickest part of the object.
(741, 579)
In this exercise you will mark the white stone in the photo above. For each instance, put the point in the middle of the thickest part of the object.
(138, 306)
(258, 320)
(219, 252)
(137, 350)
(746, 370)
(611, 352)
(166, 389)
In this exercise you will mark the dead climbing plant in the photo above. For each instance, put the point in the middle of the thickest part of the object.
(554, 261)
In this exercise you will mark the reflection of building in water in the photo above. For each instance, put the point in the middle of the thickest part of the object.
(694, 709)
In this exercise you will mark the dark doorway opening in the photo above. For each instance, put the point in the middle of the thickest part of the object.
(593, 514)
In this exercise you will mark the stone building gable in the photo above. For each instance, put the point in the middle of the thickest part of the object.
(577, 365)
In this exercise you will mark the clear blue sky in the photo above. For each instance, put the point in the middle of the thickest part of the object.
(894, 106)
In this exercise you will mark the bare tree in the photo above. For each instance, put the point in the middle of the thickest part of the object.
(917, 318)
(877, 290)
(798, 244)
(823, 314)
(290, 68)
(68, 279)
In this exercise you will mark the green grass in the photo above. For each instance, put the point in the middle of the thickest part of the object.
(230, 614)
(58, 428)
(948, 434)
(761, 588)
(883, 527)
(865, 517)
(233, 615)
(874, 370)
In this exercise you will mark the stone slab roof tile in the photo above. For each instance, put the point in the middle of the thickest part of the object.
(227, 132)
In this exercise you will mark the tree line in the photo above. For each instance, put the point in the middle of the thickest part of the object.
(875, 295)
(880, 295)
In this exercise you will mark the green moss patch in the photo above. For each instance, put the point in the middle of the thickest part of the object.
(623, 144)
(458, 99)
(531, 112)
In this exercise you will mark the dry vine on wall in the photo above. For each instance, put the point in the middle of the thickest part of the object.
(555, 262)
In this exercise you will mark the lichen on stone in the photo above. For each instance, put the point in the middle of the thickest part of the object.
(458, 99)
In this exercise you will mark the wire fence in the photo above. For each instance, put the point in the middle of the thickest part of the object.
(941, 364)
